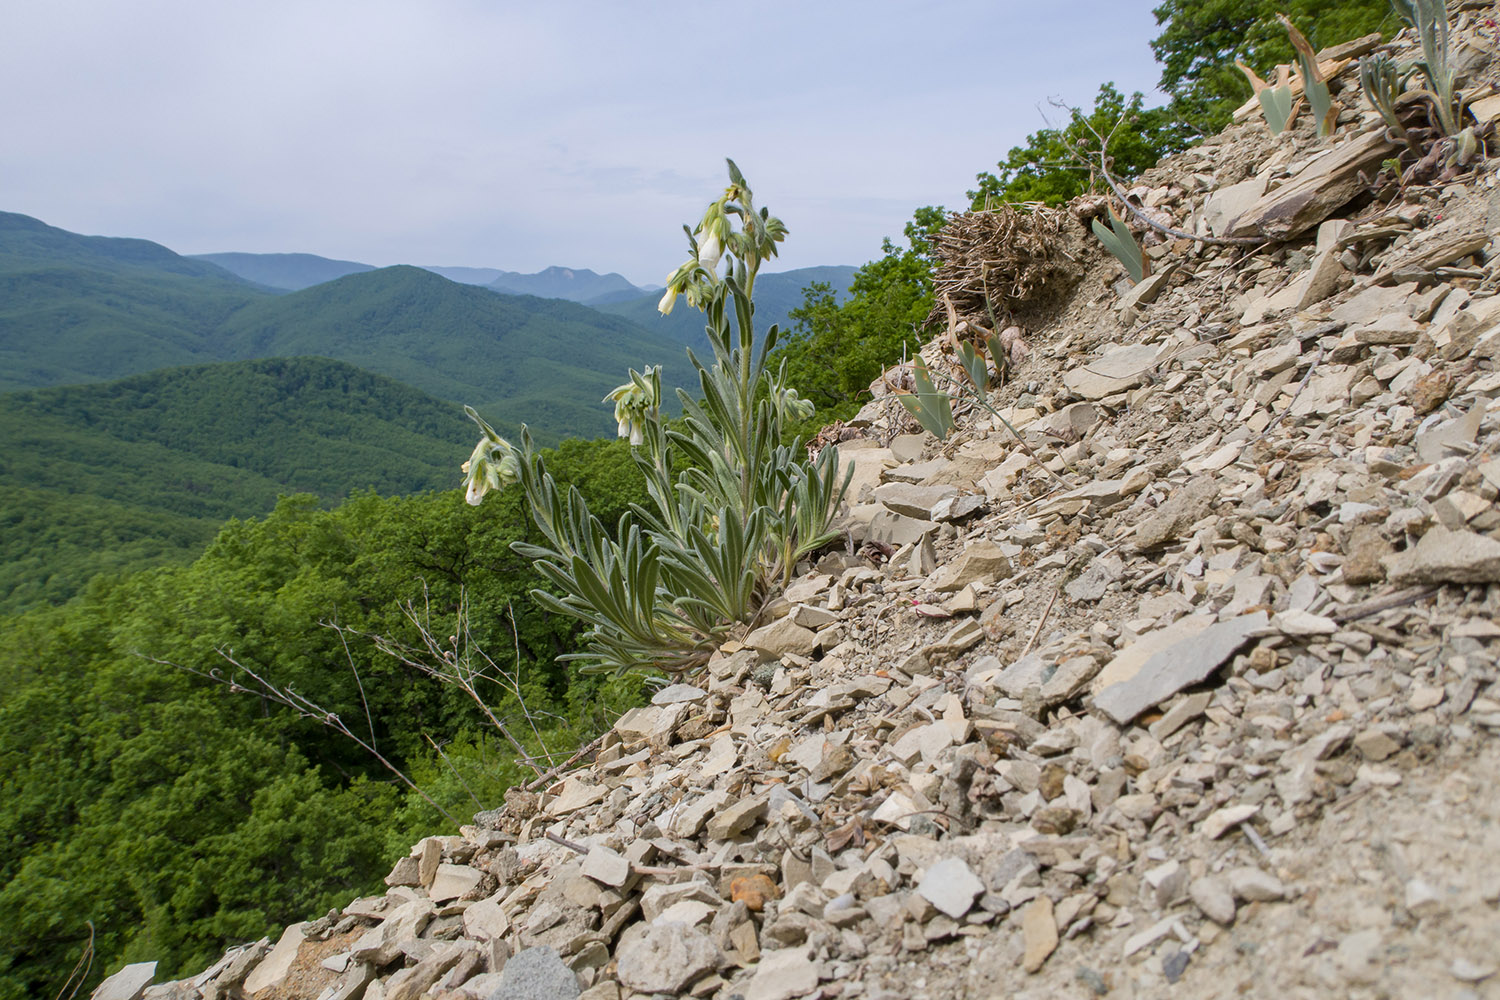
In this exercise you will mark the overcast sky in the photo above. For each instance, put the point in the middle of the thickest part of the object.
(520, 135)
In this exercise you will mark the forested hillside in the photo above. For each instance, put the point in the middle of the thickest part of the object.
(126, 474)
(174, 815)
(544, 361)
(86, 309)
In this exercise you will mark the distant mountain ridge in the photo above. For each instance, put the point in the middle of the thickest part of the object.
(289, 271)
(85, 309)
(776, 295)
(573, 284)
(296, 271)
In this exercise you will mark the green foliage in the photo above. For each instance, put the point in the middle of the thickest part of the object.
(732, 508)
(1045, 170)
(836, 350)
(1325, 112)
(1276, 104)
(1382, 82)
(1201, 40)
(120, 475)
(932, 407)
(1120, 241)
(1430, 18)
(179, 817)
(545, 358)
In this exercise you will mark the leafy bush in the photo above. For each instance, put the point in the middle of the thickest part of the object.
(722, 532)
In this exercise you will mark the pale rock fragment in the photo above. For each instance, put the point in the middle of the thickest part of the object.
(781, 637)
(913, 501)
(951, 886)
(606, 866)
(453, 881)
(664, 958)
(1254, 885)
(1039, 932)
(674, 694)
(536, 974)
(981, 562)
(1296, 622)
(1118, 370)
(1212, 897)
(1187, 661)
(1443, 556)
(275, 966)
(737, 817)
(782, 975)
(576, 794)
(1220, 821)
(1185, 507)
(131, 981)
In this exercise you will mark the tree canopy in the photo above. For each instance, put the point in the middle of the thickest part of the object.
(1201, 39)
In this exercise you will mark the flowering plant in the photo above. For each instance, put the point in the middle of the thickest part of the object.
(729, 528)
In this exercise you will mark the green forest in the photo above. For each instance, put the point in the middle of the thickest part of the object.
(157, 803)
(121, 475)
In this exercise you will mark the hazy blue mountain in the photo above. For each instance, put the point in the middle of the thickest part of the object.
(575, 285)
(290, 271)
(776, 295)
(467, 275)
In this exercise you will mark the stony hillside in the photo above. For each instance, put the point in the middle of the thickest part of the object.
(1193, 693)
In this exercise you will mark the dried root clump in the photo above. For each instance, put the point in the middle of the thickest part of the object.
(996, 264)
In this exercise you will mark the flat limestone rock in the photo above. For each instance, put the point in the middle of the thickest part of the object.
(665, 958)
(1321, 189)
(276, 965)
(1229, 201)
(1039, 931)
(127, 984)
(576, 794)
(782, 975)
(1129, 661)
(1184, 663)
(951, 887)
(781, 637)
(982, 562)
(674, 694)
(606, 866)
(1444, 556)
(1189, 504)
(453, 881)
(1120, 369)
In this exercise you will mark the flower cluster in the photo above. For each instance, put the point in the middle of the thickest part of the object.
(637, 403)
(698, 276)
(493, 465)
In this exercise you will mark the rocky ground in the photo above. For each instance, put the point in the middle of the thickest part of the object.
(1196, 694)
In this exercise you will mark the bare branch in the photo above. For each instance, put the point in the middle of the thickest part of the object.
(303, 706)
